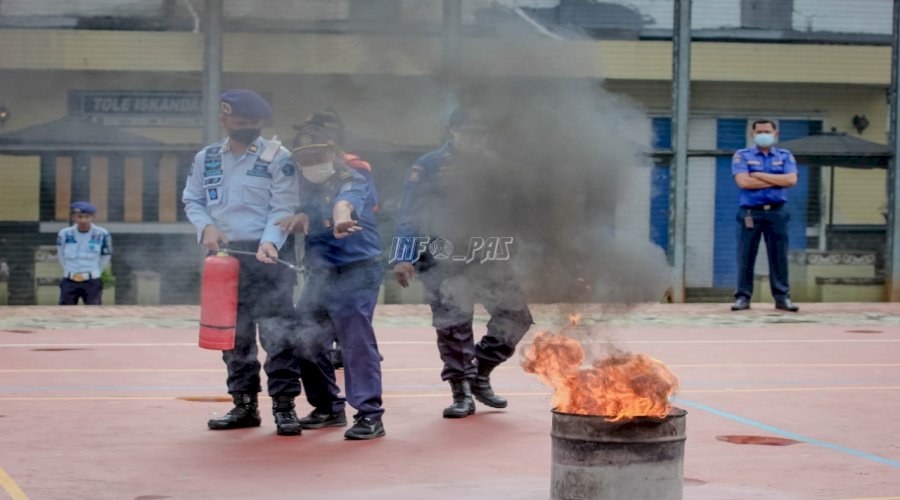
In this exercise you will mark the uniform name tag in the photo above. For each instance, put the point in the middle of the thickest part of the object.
(753, 162)
(778, 163)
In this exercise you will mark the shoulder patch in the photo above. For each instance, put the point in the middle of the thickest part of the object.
(345, 175)
(736, 158)
(288, 169)
(415, 173)
(253, 148)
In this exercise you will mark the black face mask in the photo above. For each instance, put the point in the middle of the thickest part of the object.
(245, 135)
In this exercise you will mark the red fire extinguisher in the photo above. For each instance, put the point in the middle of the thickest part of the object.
(218, 302)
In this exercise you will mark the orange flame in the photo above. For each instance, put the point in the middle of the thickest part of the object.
(618, 387)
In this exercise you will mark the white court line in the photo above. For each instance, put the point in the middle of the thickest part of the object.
(420, 342)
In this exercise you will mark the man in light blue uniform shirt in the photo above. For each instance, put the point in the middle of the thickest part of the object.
(763, 173)
(237, 189)
(84, 251)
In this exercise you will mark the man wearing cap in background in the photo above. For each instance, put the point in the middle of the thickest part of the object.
(344, 272)
(437, 205)
(236, 190)
(84, 251)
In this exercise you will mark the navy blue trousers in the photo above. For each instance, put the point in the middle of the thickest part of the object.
(265, 305)
(90, 292)
(339, 303)
(771, 225)
(452, 289)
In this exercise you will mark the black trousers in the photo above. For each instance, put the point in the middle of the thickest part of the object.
(264, 305)
(90, 292)
(452, 289)
(771, 225)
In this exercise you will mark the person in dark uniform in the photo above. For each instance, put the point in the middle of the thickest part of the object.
(763, 172)
(329, 127)
(84, 250)
(344, 273)
(436, 209)
(237, 190)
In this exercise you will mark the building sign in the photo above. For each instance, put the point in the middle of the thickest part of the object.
(139, 109)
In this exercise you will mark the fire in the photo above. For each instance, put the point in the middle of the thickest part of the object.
(618, 387)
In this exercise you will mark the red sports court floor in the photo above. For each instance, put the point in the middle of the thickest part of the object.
(108, 402)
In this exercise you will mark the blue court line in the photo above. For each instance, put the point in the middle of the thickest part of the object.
(788, 434)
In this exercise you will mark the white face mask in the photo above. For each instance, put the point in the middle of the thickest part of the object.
(318, 174)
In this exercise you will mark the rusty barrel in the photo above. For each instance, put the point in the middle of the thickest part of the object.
(640, 458)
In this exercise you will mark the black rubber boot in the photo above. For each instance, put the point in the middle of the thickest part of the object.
(481, 387)
(244, 414)
(462, 406)
(286, 423)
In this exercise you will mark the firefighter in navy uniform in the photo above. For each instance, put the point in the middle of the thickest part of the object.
(329, 127)
(344, 272)
(84, 250)
(763, 173)
(236, 191)
(435, 206)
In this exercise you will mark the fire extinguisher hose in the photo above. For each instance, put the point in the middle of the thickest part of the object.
(292, 267)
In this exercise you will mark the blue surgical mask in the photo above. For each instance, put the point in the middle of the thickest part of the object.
(764, 140)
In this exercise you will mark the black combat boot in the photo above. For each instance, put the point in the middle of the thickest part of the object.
(462, 406)
(244, 414)
(481, 387)
(286, 422)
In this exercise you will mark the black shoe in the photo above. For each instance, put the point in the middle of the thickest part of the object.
(740, 304)
(244, 414)
(286, 423)
(482, 390)
(786, 305)
(365, 428)
(317, 420)
(463, 405)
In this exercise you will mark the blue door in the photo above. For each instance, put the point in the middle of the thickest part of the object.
(660, 190)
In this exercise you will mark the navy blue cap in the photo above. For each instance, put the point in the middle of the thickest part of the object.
(246, 104)
(83, 207)
(311, 143)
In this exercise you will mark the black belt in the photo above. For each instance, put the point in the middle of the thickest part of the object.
(765, 208)
(343, 268)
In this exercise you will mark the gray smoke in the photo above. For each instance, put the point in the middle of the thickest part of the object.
(564, 154)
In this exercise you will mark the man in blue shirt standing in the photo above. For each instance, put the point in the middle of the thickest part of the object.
(763, 173)
(84, 250)
(236, 191)
(344, 272)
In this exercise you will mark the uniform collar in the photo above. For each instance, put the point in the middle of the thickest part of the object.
(772, 150)
(254, 148)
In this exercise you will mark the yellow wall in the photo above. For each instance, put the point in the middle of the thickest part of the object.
(19, 188)
(96, 50)
(860, 196)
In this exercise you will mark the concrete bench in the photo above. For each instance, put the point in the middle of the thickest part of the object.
(851, 289)
(807, 266)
